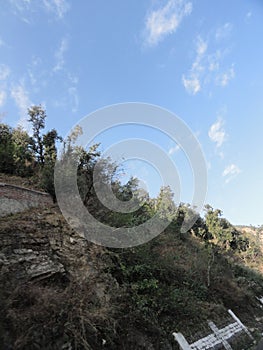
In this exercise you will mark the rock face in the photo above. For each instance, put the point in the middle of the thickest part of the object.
(38, 244)
(47, 270)
(26, 255)
(15, 199)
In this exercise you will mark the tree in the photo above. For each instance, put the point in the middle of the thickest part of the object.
(44, 147)
(213, 223)
(165, 204)
(6, 149)
(50, 156)
(49, 143)
(225, 234)
(37, 116)
(23, 153)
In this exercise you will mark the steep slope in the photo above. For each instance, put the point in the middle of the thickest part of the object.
(52, 283)
(58, 291)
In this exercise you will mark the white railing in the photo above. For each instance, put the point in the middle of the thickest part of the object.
(219, 337)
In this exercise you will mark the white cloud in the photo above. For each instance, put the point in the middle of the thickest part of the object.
(224, 78)
(32, 77)
(2, 97)
(74, 99)
(22, 9)
(59, 55)
(20, 95)
(37, 75)
(174, 149)
(58, 7)
(206, 67)
(230, 172)
(74, 79)
(217, 133)
(26, 9)
(214, 61)
(4, 71)
(201, 48)
(224, 31)
(165, 20)
(192, 82)
(22, 101)
(21, 5)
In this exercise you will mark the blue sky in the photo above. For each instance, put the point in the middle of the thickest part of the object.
(200, 59)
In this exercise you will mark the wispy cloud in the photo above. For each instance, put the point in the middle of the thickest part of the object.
(2, 97)
(217, 133)
(21, 5)
(224, 78)
(74, 99)
(22, 101)
(23, 9)
(230, 172)
(59, 55)
(57, 7)
(165, 20)
(38, 75)
(191, 81)
(70, 97)
(4, 71)
(224, 31)
(208, 67)
(192, 84)
(213, 61)
(26, 9)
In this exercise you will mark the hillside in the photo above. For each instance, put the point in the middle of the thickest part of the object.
(255, 236)
(58, 291)
(28, 182)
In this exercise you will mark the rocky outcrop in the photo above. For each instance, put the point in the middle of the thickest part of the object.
(56, 273)
(25, 251)
(38, 244)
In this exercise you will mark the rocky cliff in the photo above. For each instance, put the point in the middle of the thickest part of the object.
(42, 258)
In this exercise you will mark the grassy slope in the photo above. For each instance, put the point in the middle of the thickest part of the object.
(28, 182)
(163, 286)
(179, 295)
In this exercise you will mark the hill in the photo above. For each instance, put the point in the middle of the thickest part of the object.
(59, 291)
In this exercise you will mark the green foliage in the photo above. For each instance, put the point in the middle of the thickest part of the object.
(23, 152)
(37, 116)
(6, 150)
(224, 234)
(49, 143)
(26, 156)
(165, 204)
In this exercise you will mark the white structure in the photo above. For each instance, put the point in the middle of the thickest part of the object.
(215, 339)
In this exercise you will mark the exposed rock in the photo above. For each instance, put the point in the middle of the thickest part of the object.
(26, 254)
(38, 245)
